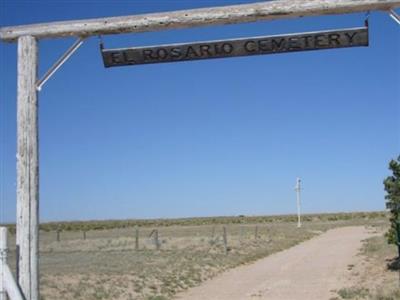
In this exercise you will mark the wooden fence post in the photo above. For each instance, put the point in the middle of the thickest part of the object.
(84, 234)
(8, 285)
(27, 168)
(156, 240)
(256, 232)
(137, 238)
(3, 261)
(225, 238)
(58, 235)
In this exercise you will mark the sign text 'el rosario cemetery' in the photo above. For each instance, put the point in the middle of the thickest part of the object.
(355, 37)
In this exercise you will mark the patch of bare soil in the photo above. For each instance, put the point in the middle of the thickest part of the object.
(312, 270)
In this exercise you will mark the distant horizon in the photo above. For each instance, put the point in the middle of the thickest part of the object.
(205, 217)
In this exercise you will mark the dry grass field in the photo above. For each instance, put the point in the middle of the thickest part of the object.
(106, 264)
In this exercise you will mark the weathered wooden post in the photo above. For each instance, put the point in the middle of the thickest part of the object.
(3, 261)
(225, 238)
(137, 238)
(156, 241)
(84, 234)
(256, 232)
(58, 235)
(8, 286)
(27, 168)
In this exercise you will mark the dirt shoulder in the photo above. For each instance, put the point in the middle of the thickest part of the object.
(311, 270)
(376, 275)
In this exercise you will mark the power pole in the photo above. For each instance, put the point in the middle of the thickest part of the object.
(298, 189)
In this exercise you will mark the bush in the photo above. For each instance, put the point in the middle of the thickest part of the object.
(392, 188)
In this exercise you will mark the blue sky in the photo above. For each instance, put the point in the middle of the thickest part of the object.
(205, 138)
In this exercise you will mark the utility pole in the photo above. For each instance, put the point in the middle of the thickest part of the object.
(298, 189)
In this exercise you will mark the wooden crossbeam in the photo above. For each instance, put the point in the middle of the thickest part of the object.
(269, 10)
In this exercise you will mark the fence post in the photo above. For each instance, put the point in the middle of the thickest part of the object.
(225, 240)
(256, 233)
(156, 239)
(84, 234)
(58, 235)
(8, 285)
(137, 238)
(3, 261)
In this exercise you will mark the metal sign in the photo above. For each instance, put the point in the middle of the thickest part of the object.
(353, 37)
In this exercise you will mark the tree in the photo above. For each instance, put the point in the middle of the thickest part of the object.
(392, 188)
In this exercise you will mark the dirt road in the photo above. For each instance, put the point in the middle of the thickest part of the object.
(308, 271)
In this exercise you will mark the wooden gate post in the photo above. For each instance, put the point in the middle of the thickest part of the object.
(27, 168)
(156, 240)
(3, 261)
